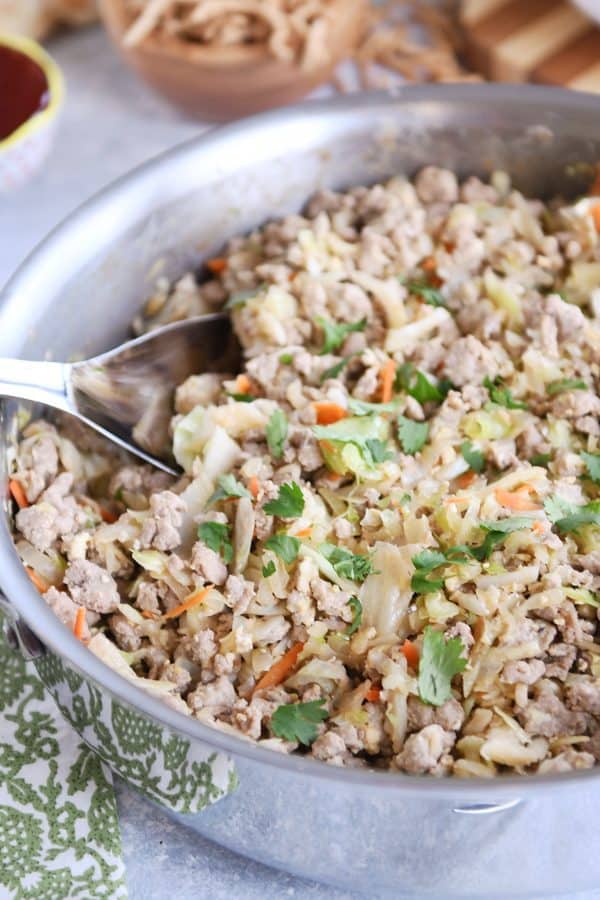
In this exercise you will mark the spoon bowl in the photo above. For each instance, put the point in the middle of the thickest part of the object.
(126, 394)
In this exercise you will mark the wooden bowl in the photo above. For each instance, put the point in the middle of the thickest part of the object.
(224, 83)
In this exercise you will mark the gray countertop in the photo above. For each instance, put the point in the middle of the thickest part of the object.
(110, 124)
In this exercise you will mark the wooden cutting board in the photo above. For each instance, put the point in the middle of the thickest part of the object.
(545, 41)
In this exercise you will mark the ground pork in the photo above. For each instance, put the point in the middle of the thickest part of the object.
(548, 716)
(208, 564)
(92, 586)
(423, 750)
(469, 361)
(161, 527)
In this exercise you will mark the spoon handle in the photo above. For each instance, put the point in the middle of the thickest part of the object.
(42, 382)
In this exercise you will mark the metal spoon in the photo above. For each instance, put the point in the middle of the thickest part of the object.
(126, 394)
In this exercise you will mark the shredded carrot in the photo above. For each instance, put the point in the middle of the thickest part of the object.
(328, 413)
(253, 486)
(18, 493)
(148, 614)
(292, 276)
(281, 669)
(333, 477)
(538, 527)
(388, 374)
(457, 499)
(373, 694)
(40, 583)
(304, 532)
(466, 479)
(595, 185)
(193, 600)
(410, 653)
(217, 264)
(327, 446)
(107, 515)
(428, 264)
(595, 211)
(79, 623)
(515, 500)
(243, 384)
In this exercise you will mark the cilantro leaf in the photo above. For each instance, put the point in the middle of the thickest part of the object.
(377, 450)
(412, 435)
(507, 526)
(568, 517)
(472, 456)
(269, 569)
(242, 398)
(416, 383)
(496, 533)
(427, 293)
(592, 465)
(501, 395)
(540, 459)
(276, 431)
(289, 503)
(335, 370)
(286, 359)
(439, 661)
(335, 333)
(298, 721)
(216, 535)
(425, 562)
(355, 566)
(228, 486)
(565, 384)
(285, 546)
(356, 607)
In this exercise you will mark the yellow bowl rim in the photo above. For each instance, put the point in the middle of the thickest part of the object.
(56, 87)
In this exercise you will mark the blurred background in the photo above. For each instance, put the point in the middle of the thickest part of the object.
(142, 75)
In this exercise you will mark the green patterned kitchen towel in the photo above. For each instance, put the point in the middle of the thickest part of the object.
(59, 828)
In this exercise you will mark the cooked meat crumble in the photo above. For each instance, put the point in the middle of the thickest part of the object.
(385, 546)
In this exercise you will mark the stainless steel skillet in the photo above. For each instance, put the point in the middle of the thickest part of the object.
(363, 830)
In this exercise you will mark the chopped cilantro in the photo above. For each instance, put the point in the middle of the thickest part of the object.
(276, 431)
(416, 383)
(228, 486)
(501, 395)
(412, 435)
(335, 333)
(298, 721)
(377, 450)
(427, 293)
(217, 536)
(286, 359)
(592, 465)
(289, 503)
(269, 569)
(242, 398)
(285, 546)
(472, 456)
(565, 384)
(335, 370)
(439, 661)
(355, 566)
(357, 610)
(425, 562)
(568, 517)
(540, 459)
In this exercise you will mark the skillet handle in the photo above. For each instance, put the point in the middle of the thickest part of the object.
(39, 381)
(18, 635)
